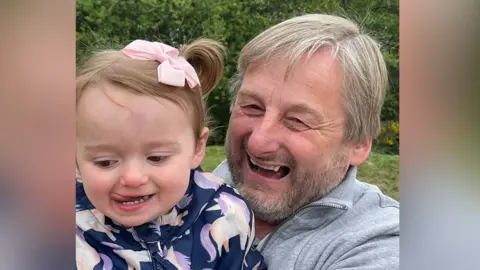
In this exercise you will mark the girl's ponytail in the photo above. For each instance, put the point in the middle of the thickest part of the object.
(206, 56)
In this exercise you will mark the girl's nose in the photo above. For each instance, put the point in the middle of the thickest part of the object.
(133, 177)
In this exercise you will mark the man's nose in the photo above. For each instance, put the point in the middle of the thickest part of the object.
(134, 175)
(264, 137)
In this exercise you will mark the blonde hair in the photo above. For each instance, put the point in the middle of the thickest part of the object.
(140, 77)
(365, 78)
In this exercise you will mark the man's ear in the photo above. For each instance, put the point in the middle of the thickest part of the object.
(360, 152)
(200, 148)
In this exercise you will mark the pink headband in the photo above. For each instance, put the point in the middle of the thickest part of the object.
(173, 69)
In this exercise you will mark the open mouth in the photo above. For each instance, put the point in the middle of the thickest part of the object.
(125, 200)
(276, 172)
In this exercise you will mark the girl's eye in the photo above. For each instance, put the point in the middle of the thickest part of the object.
(104, 163)
(156, 159)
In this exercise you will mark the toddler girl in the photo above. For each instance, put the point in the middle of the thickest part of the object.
(140, 135)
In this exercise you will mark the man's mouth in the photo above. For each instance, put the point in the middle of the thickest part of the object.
(131, 200)
(268, 170)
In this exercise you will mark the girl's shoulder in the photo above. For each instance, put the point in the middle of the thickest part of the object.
(207, 181)
(222, 200)
(210, 181)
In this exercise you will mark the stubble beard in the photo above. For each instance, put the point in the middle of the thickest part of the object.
(307, 186)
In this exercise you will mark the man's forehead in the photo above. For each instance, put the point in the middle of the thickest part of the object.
(320, 69)
(314, 85)
(311, 79)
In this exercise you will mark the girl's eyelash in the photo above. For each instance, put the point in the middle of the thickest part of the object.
(157, 158)
(104, 163)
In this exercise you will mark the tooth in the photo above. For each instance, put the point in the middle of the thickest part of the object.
(144, 198)
(272, 168)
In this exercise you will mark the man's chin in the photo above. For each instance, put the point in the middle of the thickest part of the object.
(266, 207)
(270, 213)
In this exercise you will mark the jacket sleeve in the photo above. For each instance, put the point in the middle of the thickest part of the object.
(246, 258)
(379, 253)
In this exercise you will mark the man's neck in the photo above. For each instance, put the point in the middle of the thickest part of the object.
(262, 228)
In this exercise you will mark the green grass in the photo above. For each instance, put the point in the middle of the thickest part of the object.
(381, 170)
(213, 157)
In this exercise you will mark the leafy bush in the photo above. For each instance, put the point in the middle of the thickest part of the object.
(387, 141)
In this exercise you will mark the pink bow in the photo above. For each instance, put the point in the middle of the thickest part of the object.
(173, 69)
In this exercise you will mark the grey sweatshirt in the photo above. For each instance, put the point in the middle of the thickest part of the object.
(355, 226)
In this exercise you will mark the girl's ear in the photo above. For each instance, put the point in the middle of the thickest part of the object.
(200, 148)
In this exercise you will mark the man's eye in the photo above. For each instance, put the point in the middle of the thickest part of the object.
(156, 159)
(252, 109)
(296, 124)
(104, 163)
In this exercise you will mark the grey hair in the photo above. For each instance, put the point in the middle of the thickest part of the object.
(365, 78)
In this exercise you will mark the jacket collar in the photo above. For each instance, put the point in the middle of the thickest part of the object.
(341, 196)
(199, 192)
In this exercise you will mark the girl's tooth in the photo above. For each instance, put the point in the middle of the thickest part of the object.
(144, 198)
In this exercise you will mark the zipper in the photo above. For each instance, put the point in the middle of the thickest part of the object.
(333, 205)
(145, 246)
(269, 236)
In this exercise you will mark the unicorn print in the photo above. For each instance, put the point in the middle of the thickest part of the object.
(235, 221)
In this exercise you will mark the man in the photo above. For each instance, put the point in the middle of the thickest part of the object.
(305, 108)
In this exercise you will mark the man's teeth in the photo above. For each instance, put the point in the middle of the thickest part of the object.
(142, 199)
(272, 168)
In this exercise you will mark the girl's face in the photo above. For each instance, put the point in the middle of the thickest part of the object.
(134, 153)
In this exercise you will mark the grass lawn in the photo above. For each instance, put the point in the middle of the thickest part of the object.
(380, 170)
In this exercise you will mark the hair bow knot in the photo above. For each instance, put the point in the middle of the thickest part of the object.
(173, 69)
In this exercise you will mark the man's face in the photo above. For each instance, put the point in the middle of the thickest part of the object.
(284, 142)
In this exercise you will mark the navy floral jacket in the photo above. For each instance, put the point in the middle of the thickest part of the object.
(210, 228)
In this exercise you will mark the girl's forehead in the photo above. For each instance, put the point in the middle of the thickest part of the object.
(116, 110)
(111, 98)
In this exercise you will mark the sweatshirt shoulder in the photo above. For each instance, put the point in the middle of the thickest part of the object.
(372, 206)
(366, 234)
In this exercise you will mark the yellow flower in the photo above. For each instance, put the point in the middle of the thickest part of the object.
(394, 127)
